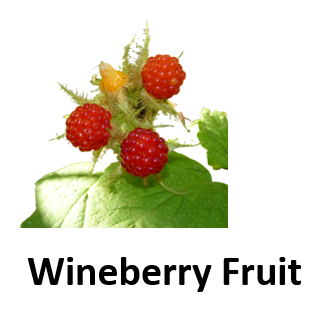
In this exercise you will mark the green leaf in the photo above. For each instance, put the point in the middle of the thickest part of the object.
(73, 197)
(213, 136)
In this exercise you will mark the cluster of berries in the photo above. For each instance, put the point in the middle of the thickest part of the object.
(143, 152)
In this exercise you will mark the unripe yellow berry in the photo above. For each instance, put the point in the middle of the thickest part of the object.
(112, 80)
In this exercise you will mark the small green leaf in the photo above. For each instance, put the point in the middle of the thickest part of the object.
(213, 136)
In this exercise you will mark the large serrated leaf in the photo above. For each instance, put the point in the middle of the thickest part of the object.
(73, 197)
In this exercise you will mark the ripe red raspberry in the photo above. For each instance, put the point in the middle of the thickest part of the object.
(162, 76)
(143, 153)
(86, 127)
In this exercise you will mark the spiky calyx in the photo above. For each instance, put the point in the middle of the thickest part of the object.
(122, 93)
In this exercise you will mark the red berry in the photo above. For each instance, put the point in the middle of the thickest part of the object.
(143, 152)
(86, 127)
(163, 76)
